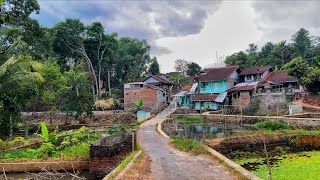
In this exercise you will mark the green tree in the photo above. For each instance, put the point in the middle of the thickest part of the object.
(154, 68)
(16, 73)
(302, 43)
(50, 91)
(179, 79)
(307, 75)
(253, 49)
(77, 98)
(193, 69)
(240, 59)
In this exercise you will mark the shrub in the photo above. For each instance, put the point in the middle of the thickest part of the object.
(48, 137)
(46, 150)
(2, 144)
(253, 108)
(189, 145)
(272, 125)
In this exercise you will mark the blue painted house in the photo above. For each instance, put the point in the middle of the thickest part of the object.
(214, 83)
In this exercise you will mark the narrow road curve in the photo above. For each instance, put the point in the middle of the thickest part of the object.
(169, 163)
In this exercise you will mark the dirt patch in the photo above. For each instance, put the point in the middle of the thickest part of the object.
(140, 170)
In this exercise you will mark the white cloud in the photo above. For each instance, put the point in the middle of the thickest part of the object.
(228, 30)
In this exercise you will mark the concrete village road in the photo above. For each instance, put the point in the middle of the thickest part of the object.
(169, 163)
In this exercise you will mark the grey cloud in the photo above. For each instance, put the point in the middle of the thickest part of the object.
(279, 20)
(148, 20)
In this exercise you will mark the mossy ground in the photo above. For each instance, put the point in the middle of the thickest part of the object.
(305, 165)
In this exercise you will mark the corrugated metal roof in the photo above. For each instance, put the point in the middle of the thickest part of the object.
(221, 97)
(181, 93)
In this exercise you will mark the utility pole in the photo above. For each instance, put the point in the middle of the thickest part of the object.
(201, 116)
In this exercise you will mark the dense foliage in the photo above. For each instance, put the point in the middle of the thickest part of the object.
(62, 68)
(300, 58)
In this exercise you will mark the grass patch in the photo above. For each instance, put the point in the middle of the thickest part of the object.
(123, 164)
(189, 145)
(271, 125)
(187, 120)
(293, 166)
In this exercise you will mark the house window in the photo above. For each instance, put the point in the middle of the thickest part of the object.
(249, 78)
(141, 85)
(216, 85)
(164, 94)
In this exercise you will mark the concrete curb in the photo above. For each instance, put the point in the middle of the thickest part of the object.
(232, 164)
(126, 169)
(215, 153)
(159, 129)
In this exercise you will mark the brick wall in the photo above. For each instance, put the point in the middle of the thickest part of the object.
(149, 97)
(105, 158)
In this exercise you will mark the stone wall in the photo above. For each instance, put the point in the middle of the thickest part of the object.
(98, 119)
(271, 102)
(107, 153)
(308, 123)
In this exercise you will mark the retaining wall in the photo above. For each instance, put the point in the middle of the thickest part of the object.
(41, 166)
(298, 122)
(98, 118)
(107, 153)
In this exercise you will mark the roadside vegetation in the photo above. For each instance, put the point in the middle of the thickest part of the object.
(189, 145)
(73, 144)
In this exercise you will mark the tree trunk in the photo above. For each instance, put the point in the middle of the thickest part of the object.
(109, 86)
(11, 127)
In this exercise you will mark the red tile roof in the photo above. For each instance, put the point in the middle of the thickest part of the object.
(218, 74)
(186, 88)
(242, 88)
(205, 97)
(254, 70)
(279, 77)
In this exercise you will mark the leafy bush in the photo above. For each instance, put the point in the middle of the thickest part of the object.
(189, 145)
(19, 154)
(81, 150)
(116, 128)
(272, 125)
(48, 137)
(47, 149)
(253, 108)
(2, 144)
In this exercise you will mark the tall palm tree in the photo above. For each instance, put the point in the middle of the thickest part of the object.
(16, 72)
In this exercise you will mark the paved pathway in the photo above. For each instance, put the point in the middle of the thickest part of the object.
(168, 163)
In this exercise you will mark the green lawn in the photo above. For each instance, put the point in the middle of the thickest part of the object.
(304, 165)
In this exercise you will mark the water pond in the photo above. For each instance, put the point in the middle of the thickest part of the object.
(210, 130)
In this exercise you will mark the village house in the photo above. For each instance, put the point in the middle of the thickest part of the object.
(152, 96)
(186, 95)
(272, 90)
(214, 83)
(242, 93)
(160, 81)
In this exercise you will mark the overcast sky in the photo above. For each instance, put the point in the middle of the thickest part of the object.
(188, 29)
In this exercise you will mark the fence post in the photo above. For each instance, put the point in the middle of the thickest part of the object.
(134, 140)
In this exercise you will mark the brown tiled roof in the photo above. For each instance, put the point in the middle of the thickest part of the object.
(254, 70)
(279, 77)
(205, 97)
(242, 88)
(161, 78)
(218, 74)
(186, 88)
